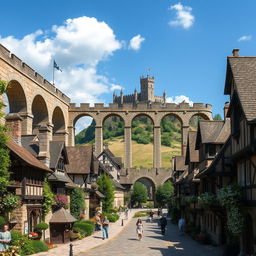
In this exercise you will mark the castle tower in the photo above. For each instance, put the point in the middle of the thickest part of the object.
(147, 88)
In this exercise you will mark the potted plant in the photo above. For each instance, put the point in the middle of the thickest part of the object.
(40, 228)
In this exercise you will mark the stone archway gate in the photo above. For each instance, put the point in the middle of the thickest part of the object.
(155, 111)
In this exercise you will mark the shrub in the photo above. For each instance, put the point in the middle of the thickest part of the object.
(27, 247)
(86, 228)
(112, 217)
(89, 222)
(17, 238)
(2, 221)
(41, 227)
(39, 246)
(206, 199)
(141, 214)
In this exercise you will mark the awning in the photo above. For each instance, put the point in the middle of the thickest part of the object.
(62, 216)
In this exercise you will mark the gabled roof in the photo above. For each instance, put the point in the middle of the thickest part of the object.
(117, 161)
(31, 143)
(192, 154)
(209, 132)
(26, 156)
(179, 163)
(216, 160)
(62, 216)
(242, 71)
(80, 159)
(56, 149)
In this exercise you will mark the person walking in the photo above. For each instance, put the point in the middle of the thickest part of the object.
(181, 225)
(163, 224)
(139, 228)
(151, 215)
(105, 225)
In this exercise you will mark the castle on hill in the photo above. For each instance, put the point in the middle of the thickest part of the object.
(146, 93)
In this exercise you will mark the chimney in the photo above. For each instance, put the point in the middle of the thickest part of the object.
(14, 124)
(226, 106)
(235, 52)
(44, 144)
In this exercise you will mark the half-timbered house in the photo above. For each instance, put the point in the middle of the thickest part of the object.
(240, 84)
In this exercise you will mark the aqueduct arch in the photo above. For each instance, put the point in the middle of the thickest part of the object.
(155, 111)
(150, 185)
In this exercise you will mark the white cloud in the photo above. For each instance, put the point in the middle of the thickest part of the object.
(135, 42)
(78, 46)
(179, 99)
(245, 38)
(184, 16)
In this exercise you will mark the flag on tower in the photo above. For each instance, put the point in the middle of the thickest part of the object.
(56, 66)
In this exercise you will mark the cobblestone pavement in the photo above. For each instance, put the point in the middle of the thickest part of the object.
(152, 244)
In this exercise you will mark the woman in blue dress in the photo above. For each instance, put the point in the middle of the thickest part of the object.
(5, 238)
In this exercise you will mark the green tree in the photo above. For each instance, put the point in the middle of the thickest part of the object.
(217, 117)
(77, 204)
(164, 193)
(107, 189)
(139, 194)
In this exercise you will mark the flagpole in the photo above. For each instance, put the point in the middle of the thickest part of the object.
(53, 73)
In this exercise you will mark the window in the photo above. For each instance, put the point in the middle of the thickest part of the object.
(60, 166)
(211, 150)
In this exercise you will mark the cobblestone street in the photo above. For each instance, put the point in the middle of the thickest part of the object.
(152, 244)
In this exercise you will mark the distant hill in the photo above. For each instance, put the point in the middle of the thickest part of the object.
(142, 137)
(142, 131)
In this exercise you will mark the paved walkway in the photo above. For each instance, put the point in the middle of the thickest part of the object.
(91, 241)
(153, 243)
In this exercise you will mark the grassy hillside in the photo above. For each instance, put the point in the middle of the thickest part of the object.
(142, 139)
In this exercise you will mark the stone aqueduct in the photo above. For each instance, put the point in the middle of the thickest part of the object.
(40, 103)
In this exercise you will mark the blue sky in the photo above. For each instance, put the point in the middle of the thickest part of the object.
(184, 43)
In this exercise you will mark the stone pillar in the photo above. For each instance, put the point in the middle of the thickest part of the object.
(27, 123)
(71, 136)
(60, 135)
(44, 144)
(98, 140)
(185, 129)
(157, 147)
(14, 124)
(128, 147)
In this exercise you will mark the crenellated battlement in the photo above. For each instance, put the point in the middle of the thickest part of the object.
(141, 106)
(25, 69)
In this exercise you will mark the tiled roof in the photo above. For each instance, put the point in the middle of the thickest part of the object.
(243, 71)
(179, 163)
(62, 216)
(192, 154)
(26, 156)
(80, 159)
(31, 143)
(56, 149)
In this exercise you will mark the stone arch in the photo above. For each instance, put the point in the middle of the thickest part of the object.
(150, 185)
(40, 112)
(16, 97)
(113, 126)
(80, 116)
(171, 138)
(144, 114)
(58, 120)
(83, 121)
(142, 136)
(174, 115)
(198, 116)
